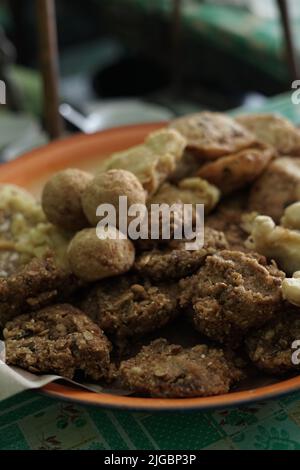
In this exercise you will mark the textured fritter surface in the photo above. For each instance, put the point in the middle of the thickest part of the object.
(39, 283)
(237, 170)
(152, 162)
(232, 293)
(59, 339)
(270, 348)
(277, 188)
(274, 130)
(125, 307)
(167, 370)
(173, 261)
(188, 191)
(212, 135)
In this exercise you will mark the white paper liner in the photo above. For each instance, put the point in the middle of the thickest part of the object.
(14, 380)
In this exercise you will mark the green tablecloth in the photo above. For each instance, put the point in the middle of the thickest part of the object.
(255, 40)
(33, 421)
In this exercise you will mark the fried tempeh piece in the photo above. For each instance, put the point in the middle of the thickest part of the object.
(39, 283)
(59, 339)
(167, 370)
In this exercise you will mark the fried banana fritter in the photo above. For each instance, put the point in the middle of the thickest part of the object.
(237, 170)
(59, 339)
(212, 135)
(39, 283)
(152, 162)
(175, 262)
(188, 191)
(274, 130)
(168, 370)
(231, 294)
(124, 307)
(271, 348)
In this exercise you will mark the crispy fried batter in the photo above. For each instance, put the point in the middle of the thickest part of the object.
(237, 170)
(59, 339)
(232, 293)
(174, 262)
(125, 306)
(168, 370)
(38, 284)
(212, 135)
(274, 130)
(188, 191)
(277, 188)
(270, 348)
(152, 162)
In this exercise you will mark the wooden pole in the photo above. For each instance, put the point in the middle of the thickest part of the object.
(48, 51)
(288, 36)
(176, 44)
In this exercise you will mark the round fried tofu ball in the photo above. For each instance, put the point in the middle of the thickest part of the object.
(106, 188)
(61, 199)
(92, 258)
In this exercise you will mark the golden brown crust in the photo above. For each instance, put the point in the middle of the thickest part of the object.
(59, 339)
(237, 170)
(168, 370)
(274, 130)
(212, 135)
(152, 162)
(188, 191)
(232, 293)
(106, 188)
(92, 258)
(61, 199)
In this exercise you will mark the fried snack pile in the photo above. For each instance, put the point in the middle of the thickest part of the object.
(149, 315)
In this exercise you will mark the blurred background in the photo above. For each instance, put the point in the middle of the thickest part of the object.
(128, 61)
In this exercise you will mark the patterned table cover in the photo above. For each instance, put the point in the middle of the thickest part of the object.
(34, 421)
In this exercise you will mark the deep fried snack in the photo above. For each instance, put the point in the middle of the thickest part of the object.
(275, 242)
(125, 307)
(291, 289)
(167, 370)
(232, 293)
(212, 135)
(175, 262)
(271, 348)
(274, 130)
(187, 167)
(277, 188)
(291, 217)
(59, 339)
(92, 258)
(227, 218)
(188, 191)
(106, 188)
(38, 284)
(61, 199)
(237, 170)
(152, 162)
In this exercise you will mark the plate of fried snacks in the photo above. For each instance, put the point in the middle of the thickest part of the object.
(156, 322)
